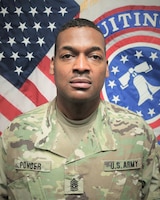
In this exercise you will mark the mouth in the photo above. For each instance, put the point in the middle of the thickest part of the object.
(80, 83)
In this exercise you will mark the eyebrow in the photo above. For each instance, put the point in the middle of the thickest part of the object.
(90, 49)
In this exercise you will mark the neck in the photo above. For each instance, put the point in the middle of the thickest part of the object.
(76, 110)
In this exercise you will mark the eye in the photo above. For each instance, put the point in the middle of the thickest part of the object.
(96, 57)
(67, 56)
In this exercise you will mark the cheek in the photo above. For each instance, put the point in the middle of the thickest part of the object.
(100, 75)
(98, 82)
(60, 72)
(61, 77)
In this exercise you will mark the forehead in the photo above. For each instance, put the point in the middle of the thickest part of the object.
(80, 36)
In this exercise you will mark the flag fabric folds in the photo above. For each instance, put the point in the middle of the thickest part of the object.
(132, 33)
(27, 36)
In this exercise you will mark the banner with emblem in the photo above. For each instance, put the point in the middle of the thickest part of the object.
(132, 33)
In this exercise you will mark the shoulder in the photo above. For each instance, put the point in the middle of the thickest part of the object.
(119, 111)
(27, 124)
(126, 121)
(31, 116)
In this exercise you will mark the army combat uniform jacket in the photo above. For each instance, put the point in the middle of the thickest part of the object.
(116, 159)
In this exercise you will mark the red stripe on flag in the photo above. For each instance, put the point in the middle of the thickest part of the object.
(101, 95)
(31, 91)
(44, 66)
(8, 110)
(155, 124)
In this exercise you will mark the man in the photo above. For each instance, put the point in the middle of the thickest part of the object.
(77, 146)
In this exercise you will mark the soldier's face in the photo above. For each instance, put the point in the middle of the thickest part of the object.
(80, 64)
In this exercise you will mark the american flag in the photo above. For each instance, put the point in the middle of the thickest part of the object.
(27, 36)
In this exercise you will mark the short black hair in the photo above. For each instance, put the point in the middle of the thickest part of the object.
(78, 22)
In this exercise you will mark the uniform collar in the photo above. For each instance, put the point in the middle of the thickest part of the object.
(98, 139)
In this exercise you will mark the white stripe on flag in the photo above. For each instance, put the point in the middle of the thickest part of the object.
(157, 131)
(50, 53)
(14, 96)
(4, 122)
(43, 84)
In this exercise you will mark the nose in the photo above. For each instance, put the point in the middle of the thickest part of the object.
(81, 64)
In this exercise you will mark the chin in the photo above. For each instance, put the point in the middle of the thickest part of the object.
(81, 99)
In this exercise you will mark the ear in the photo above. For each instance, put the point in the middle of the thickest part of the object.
(107, 70)
(52, 66)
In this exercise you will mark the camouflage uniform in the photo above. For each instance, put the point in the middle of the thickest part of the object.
(116, 159)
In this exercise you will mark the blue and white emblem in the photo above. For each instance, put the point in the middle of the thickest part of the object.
(132, 36)
(134, 81)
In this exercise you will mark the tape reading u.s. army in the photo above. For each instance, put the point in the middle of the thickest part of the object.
(32, 165)
(112, 165)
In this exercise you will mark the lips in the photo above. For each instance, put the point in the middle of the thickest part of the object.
(80, 83)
